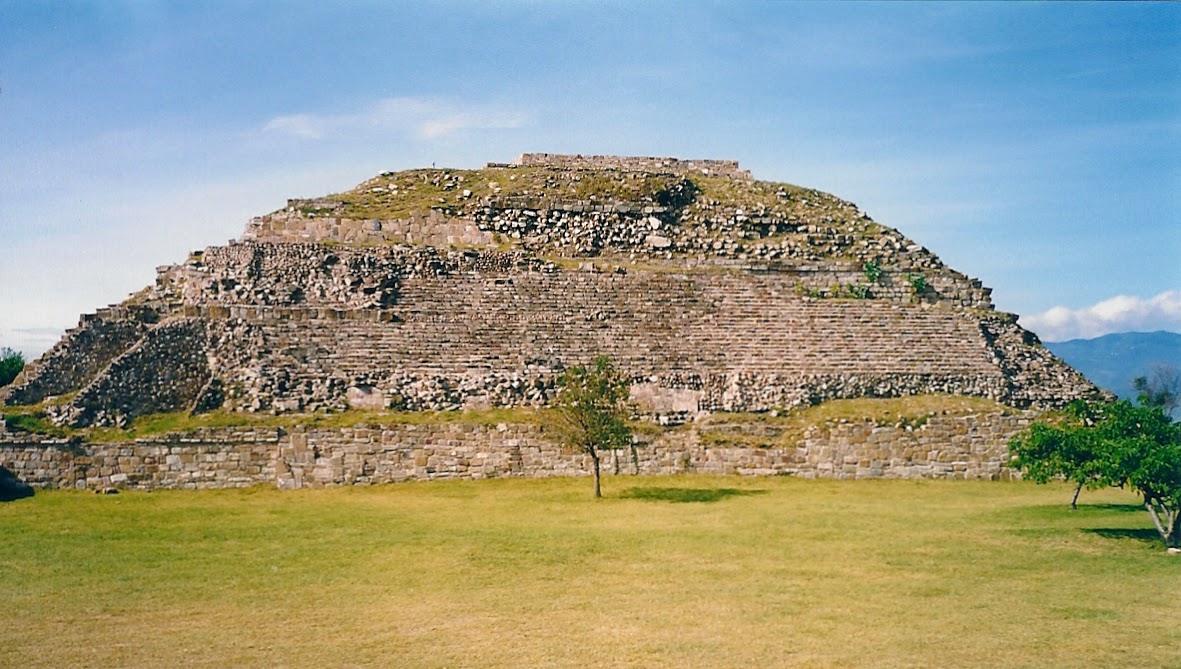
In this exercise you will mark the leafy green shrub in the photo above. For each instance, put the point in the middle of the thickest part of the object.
(860, 292)
(872, 271)
(918, 283)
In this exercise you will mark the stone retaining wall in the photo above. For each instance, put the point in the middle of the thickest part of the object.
(211, 458)
(656, 164)
(430, 228)
(974, 447)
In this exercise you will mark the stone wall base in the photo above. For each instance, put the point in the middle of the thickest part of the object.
(967, 447)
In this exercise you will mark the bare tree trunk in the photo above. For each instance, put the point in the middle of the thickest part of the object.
(635, 459)
(615, 460)
(1170, 527)
(595, 459)
(1074, 500)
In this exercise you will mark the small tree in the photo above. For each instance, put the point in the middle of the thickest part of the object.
(1161, 388)
(1065, 450)
(590, 412)
(1117, 444)
(11, 364)
(1142, 449)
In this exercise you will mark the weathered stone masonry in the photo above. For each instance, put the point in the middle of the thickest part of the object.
(715, 292)
(727, 168)
(973, 447)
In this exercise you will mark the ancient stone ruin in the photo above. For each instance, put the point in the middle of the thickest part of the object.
(448, 289)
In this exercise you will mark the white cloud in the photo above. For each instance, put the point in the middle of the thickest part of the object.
(421, 118)
(1122, 313)
(300, 125)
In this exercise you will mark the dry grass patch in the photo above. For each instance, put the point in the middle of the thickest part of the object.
(786, 429)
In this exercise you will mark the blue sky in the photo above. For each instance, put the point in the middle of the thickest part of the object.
(1036, 146)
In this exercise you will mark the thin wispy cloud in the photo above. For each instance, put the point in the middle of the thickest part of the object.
(300, 125)
(419, 118)
(1122, 313)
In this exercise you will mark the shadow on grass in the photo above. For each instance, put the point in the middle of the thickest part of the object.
(1146, 536)
(680, 495)
(1120, 508)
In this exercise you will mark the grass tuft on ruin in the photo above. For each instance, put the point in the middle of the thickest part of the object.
(33, 420)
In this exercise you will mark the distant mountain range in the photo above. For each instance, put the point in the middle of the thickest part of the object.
(1113, 361)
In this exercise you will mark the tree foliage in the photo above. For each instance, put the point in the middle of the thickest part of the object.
(590, 413)
(1161, 388)
(1064, 450)
(1116, 444)
(11, 364)
(1143, 448)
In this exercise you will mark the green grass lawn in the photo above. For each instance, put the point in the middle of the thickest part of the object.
(664, 572)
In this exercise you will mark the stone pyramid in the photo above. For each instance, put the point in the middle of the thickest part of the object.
(445, 289)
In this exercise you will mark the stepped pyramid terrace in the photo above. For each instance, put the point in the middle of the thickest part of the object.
(467, 290)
